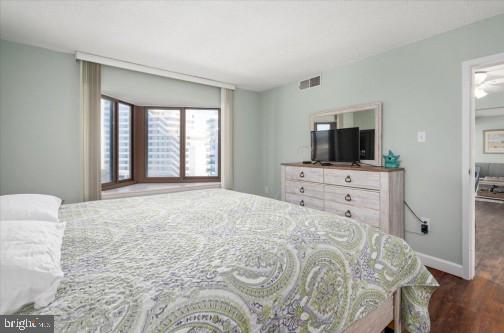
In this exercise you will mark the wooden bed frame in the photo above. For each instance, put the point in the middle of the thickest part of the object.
(380, 318)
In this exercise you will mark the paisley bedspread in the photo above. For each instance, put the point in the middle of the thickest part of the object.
(223, 261)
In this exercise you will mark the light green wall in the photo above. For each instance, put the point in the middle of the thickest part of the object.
(39, 122)
(246, 142)
(493, 100)
(487, 123)
(420, 87)
(145, 89)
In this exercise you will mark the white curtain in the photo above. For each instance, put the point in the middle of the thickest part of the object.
(227, 138)
(90, 94)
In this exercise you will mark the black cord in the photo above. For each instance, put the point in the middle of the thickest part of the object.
(369, 164)
(412, 212)
(354, 164)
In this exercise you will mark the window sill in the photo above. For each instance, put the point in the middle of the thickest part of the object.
(142, 189)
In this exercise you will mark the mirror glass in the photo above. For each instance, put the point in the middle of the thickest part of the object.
(364, 119)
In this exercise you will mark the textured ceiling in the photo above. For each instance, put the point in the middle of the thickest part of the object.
(255, 45)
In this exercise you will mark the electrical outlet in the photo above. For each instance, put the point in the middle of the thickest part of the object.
(266, 189)
(425, 225)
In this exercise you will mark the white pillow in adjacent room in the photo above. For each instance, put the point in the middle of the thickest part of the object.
(39, 207)
(30, 263)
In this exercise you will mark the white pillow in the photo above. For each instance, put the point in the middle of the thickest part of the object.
(30, 267)
(38, 207)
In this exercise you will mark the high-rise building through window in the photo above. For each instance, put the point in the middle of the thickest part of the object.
(165, 144)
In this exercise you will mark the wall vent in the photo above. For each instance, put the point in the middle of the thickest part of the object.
(309, 83)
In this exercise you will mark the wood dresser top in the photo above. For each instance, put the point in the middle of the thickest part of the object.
(345, 167)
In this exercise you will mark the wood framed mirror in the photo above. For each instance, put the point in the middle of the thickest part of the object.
(367, 117)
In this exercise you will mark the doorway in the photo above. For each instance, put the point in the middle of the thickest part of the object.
(483, 165)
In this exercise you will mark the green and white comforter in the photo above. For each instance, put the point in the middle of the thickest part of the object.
(222, 261)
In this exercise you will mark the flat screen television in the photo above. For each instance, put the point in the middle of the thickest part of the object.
(338, 145)
(346, 145)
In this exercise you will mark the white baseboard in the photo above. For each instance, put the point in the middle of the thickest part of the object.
(441, 264)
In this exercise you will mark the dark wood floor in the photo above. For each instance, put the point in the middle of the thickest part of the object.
(460, 306)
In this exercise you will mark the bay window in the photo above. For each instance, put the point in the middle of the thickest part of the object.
(158, 144)
(163, 143)
(124, 143)
(202, 143)
(116, 143)
(107, 132)
(182, 144)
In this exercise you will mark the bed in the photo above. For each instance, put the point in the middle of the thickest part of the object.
(223, 261)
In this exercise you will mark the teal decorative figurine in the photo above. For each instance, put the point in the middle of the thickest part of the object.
(391, 160)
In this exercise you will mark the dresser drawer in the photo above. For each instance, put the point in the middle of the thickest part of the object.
(305, 188)
(364, 215)
(315, 175)
(305, 201)
(362, 179)
(353, 196)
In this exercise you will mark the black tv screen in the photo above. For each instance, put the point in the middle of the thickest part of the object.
(341, 145)
(346, 145)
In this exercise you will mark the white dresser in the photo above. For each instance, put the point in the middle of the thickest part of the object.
(371, 195)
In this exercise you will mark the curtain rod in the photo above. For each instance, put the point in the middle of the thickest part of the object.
(150, 70)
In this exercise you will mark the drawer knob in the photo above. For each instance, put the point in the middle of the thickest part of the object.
(301, 174)
(301, 189)
(348, 179)
(348, 213)
(301, 203)
(348, 197)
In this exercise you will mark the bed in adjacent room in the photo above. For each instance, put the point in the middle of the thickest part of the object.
(223, 261)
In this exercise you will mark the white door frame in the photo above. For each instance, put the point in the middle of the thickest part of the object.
(468, 160)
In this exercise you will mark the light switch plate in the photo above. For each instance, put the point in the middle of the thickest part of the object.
(421, 136)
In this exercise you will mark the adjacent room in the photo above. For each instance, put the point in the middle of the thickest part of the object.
(489, 169)
(252, 166)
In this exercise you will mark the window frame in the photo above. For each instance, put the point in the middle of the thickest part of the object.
(182, 178)
(332, 124)
(115, 183)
